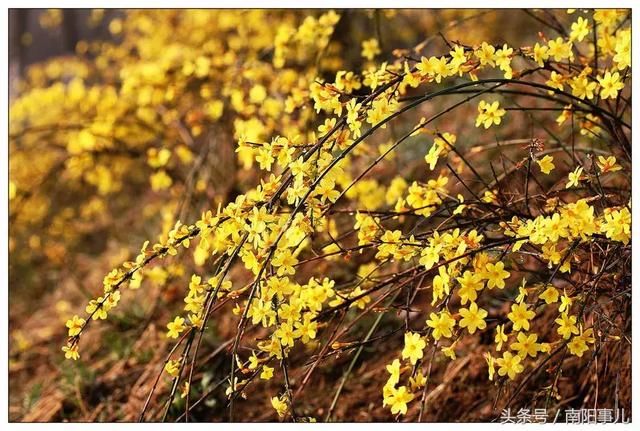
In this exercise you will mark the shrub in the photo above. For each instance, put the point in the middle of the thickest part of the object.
(459, 200)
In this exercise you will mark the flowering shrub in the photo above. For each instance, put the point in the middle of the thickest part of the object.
(372, 208)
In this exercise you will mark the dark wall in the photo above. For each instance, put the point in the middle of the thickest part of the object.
(50, 42)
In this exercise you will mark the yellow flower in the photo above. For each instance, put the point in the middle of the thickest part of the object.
(441, 146)
(347, 81)
(160, 181)
(326, 127)
(75, 325)
(526, 345)
(394, 371)
(185, 390)
(354, 124)
(280, 406)
(441, 285)
(381, 109)
(417, 382)
(172, 367)
(490, 365)
(432, 156)
(554, 227)
(522, 292)
(458, 57)
(579, 29)
(439, 68)
(285, 334)
(449, 351)
(284, 261)
(550, 295)
(500, 338)
(566, 303)
(490, 197)
(306, 328)
(608, 164)
(617, 225)
(267, 373)
(503, 60)
(253, 361)
(556, 81)
(623, 49)
(71, 352)
(574, 178)
(175, 327)
(546, 164)
(413, 347)
(578, 344)
(96, 308)
(582, 88)
(158, 158)
(370, 48)
(489, 114)
(566, 325)
(473, 318)
(470, 284)
(540, 54)
(257, 94)
(495, 275)
(326, 190)
(560, 50)
(442, 324)
(485, 54)
(610, 85)
(430, 256)
(425, 67)
(520, 316)
(398, 399)
(509, 365)
(606, 18)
